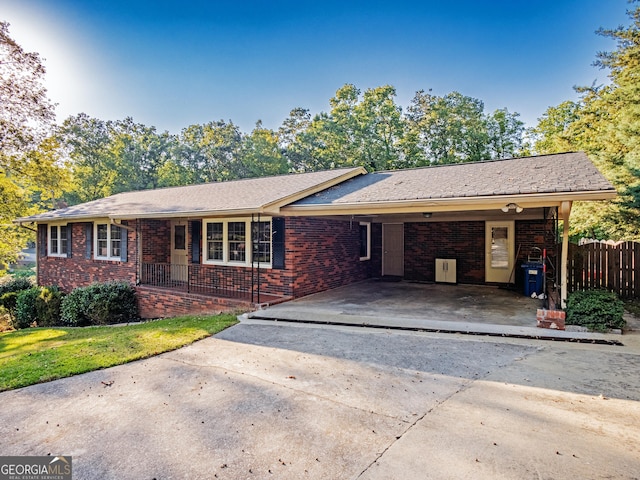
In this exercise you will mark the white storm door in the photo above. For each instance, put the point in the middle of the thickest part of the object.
(393, 249)
(499, 251)
(179, 252)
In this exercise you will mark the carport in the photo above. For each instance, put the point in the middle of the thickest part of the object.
(404, 305)
(474, 223)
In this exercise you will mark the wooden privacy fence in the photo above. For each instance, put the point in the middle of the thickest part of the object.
(604, 266)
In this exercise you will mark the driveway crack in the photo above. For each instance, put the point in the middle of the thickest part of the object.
(413, 424)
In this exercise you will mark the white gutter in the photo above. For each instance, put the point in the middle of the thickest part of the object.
(447, 204)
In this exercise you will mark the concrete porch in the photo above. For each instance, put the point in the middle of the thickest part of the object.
(468, 309)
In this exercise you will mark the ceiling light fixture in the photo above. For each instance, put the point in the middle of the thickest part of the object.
(512, 206)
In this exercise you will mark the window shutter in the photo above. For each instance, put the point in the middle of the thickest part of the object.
(277, 243)
(88, 235)
(69, 240)
(196, 241)
(124, 244)
(42, 240)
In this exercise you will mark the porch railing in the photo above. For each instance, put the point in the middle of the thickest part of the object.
(219, 281)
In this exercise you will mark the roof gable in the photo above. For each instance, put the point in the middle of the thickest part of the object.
(566, 173)
(264, 194)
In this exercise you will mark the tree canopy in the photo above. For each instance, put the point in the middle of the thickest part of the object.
(31, 178)
(605, 123)
(45, 166)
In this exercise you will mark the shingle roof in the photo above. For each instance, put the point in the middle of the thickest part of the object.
(559, 173)
(243, 196)
(568, 173)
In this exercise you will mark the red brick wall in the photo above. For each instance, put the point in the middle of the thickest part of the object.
(159, 303)
(323, 254)
(464, 241)
(156, 241)
(79, 271)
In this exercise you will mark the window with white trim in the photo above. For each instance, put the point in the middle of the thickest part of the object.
(365, 240)
(58, 241)
(237, 241)
(107, 241)
(261, 238)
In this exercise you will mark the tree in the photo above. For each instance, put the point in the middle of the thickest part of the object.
(47, 179)
(554, 133)
(207, 152)
(92, 160)
(25, 119)
(291, 137)
(381, 129)
(26, 113)
(360, 130)
(505, 132)
(140, 152)
(449, 129)
(606, 124)
(261, 155)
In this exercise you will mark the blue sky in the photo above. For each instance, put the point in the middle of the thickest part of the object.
(172, 64)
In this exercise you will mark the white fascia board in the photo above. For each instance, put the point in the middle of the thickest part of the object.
(446, 204)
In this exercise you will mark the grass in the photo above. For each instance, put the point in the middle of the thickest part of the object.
(36, 355)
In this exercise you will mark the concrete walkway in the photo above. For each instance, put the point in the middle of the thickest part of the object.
(468, 309)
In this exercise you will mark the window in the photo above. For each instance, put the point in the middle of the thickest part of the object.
(215, 242)
(365, 240)
(237, 241)
(108, 241)
(58, 240)
(180, 237)
(261, 238)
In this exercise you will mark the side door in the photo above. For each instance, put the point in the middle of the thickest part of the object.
(499, 251)
(393, 249)
(179, 252)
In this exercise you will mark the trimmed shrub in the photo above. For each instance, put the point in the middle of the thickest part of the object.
(597, 310)
(100, 304)
(74, 307)
(8, 302)
(15, 285)
(48, 307)
(25, 313)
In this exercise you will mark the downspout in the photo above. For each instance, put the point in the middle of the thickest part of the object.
(252, 257)
(28, 228)
(119, 224)
(565, 213)
(138, 252)
(252, 254)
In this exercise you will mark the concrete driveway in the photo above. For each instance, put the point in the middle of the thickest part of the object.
(271, 400)
(473, 309)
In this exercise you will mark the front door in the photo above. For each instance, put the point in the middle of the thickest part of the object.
(499, 251)
(179, 253)
(393, 249)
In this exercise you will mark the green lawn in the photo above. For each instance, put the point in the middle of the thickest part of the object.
(36, 355)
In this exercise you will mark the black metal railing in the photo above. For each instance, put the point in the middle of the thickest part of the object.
(216, 280)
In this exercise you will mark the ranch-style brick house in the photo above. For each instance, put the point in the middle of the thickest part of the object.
(213, 246)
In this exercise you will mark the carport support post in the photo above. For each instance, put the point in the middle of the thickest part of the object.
(565, 213)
